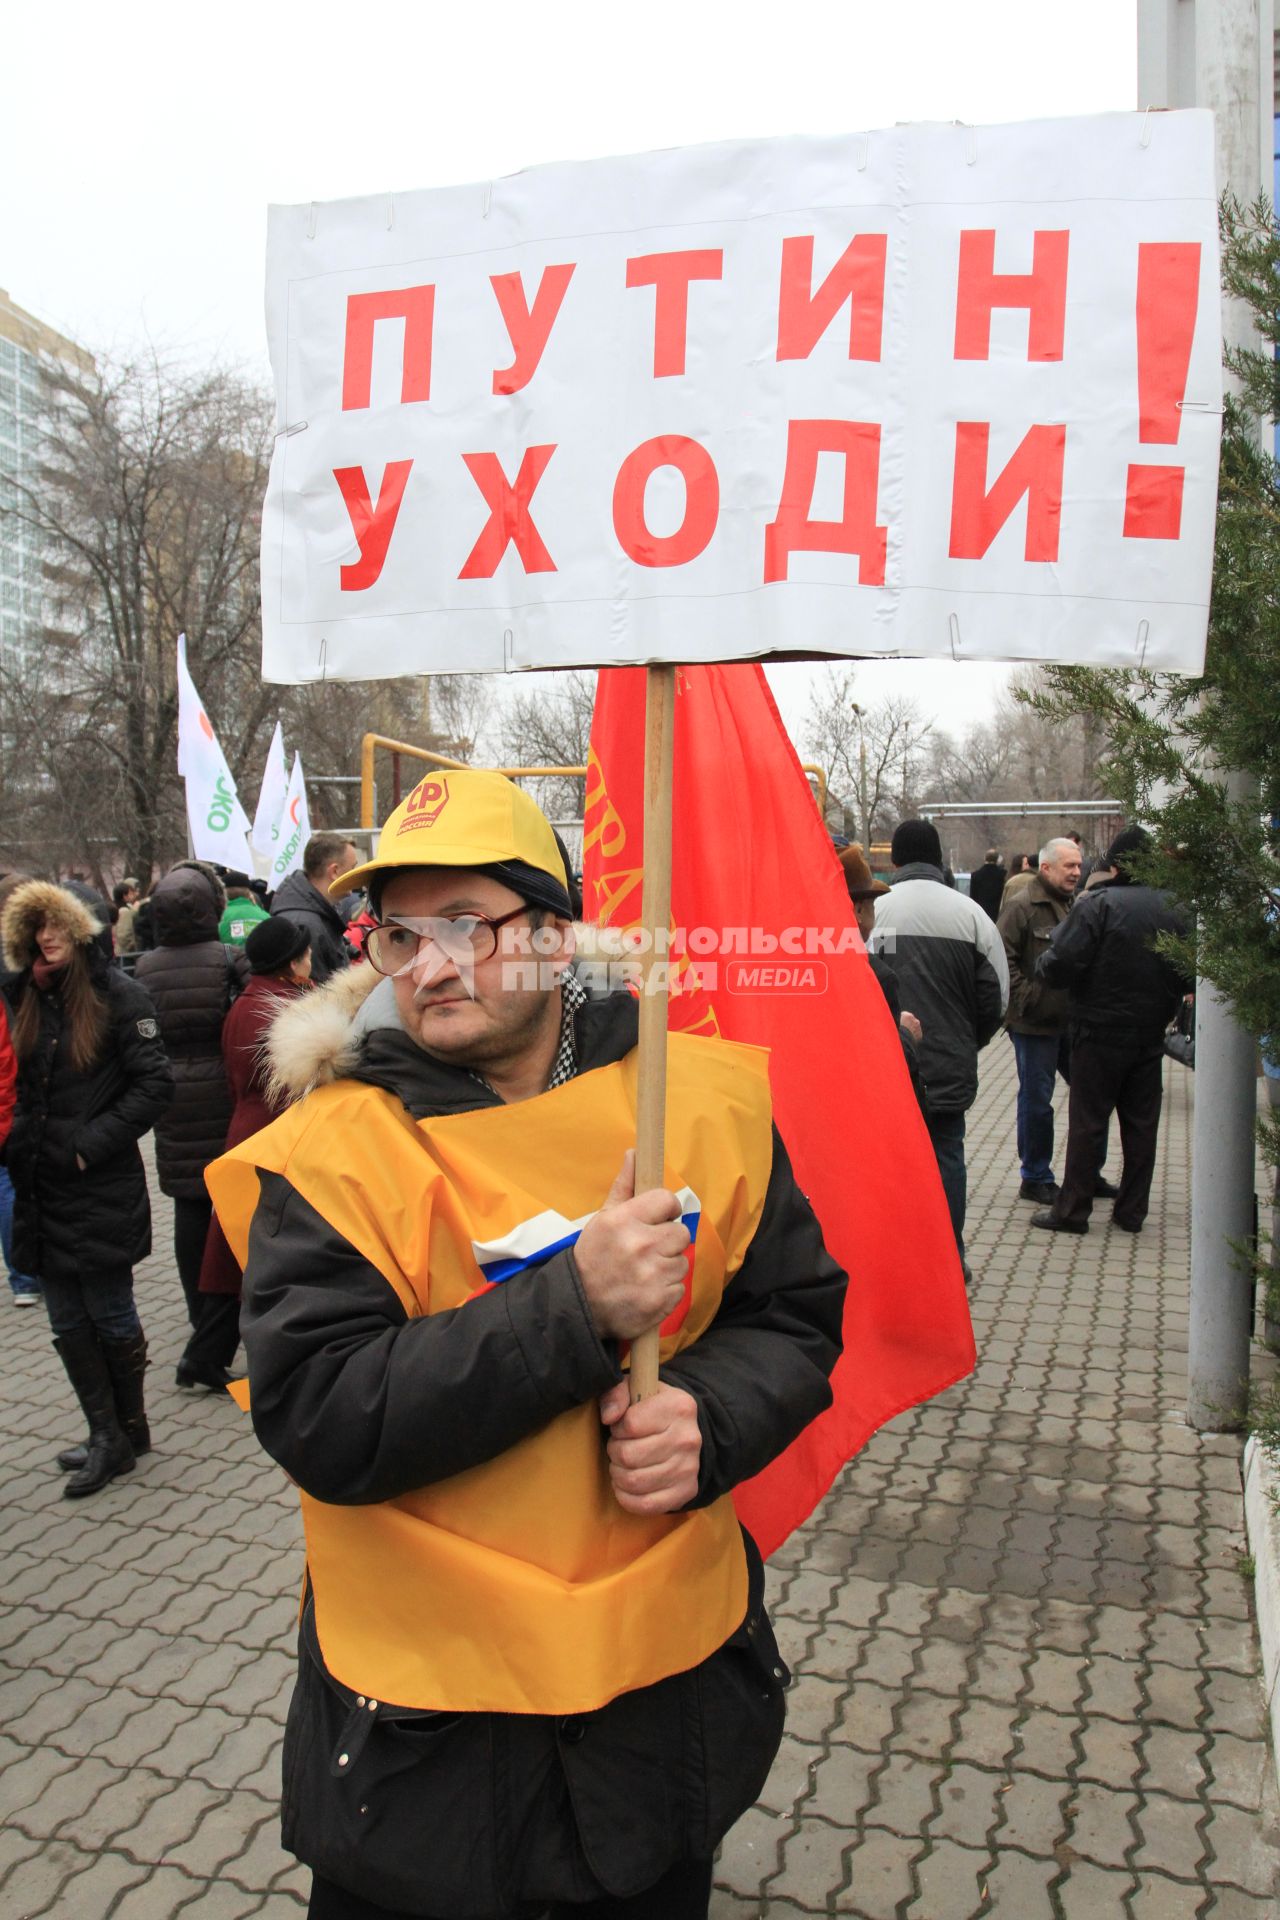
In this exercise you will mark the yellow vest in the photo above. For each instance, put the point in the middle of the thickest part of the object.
(518, 1586)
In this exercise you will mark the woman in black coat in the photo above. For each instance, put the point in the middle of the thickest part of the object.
(92, 1078)
(193, 979)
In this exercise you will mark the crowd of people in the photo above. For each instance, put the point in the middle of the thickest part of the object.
(1070, 960)
(421, 1156)
(1062, 953)
(117, 1019)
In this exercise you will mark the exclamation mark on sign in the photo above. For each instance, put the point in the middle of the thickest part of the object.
(1168, 293)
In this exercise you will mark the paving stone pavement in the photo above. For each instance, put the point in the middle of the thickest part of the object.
(1026, 1675)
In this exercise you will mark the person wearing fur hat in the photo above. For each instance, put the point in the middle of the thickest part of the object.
(193, 976)
(93, 1077)
(535, 1667)
(279, 956)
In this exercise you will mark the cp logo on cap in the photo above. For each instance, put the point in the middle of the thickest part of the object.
(425, 803)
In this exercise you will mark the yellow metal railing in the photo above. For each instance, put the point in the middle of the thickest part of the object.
(368, 747)
(402, 748)
(819, 776)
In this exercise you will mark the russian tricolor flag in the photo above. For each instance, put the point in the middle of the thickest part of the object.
(535, 1240)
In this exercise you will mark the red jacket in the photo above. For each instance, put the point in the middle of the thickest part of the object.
(8, 1077)
(243, 1033)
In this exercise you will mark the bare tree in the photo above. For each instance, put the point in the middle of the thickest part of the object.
(146, 504)
(549, 724)
(462, 708)
(874, 754)
(1019, 754)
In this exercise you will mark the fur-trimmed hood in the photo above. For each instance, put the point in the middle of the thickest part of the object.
(318, 1038)
(35, 904)
(315, 1038)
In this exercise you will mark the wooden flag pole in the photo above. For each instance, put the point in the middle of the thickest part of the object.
(655, 914)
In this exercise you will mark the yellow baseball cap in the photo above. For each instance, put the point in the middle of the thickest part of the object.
(466, 818)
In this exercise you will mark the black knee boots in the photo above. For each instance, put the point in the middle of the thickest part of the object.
(107, 1378)
(126, 1363)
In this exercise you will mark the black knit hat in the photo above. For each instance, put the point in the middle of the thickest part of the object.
(916, 840)
(274, 943)
(538, 888)
(1132, 840)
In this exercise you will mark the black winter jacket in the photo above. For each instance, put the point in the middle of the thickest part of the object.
(474, 1814)
(298, 900)
(951, 972)
(193, 979)
(1120, 988)
(986, 886)
(71, 1223)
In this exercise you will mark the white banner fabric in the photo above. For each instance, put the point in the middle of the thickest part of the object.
(217, 822)
(294, 827)
(271, 804)
(936, 390)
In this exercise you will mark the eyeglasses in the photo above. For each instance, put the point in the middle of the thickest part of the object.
(464, 939)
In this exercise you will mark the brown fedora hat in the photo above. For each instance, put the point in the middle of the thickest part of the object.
(859, 879)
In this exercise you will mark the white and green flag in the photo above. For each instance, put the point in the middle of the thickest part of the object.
(265, 837)
(295, 827)
(218, 823)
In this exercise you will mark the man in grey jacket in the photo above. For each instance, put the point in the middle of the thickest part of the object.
(951, 971)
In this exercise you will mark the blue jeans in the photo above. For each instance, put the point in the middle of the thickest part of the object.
(20, 1282)
(946, 1130)
(105, 1303)
(1037, 1055)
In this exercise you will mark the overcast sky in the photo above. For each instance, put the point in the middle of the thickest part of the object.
(140, 145)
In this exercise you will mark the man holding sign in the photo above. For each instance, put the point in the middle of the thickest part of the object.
(535, 1667)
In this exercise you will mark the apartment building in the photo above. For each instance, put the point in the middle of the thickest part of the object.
(26, 344)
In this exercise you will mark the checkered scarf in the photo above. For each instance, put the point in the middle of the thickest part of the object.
(573, 997)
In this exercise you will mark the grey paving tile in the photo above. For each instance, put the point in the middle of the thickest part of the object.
(163, 1892)
(92, 1893)
(36, 1882)
(751, 1854)
(880, 1876)
(1018, 1886)
(1026, 1676)
(952, 1881)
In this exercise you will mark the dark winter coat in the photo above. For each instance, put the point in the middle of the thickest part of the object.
(298, 900)
(1025, 926)
(888, 984)
(72, 1222)
(243, 1034)
(986, 885)
(193, 979)
(1120, 988)
(951, 972)
(476, 1812)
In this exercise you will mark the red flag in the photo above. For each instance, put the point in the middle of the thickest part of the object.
(760, 897)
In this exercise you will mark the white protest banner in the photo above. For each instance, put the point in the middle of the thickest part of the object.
(216, 820)
(294, 827)
(935, 390)
(271, 804)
